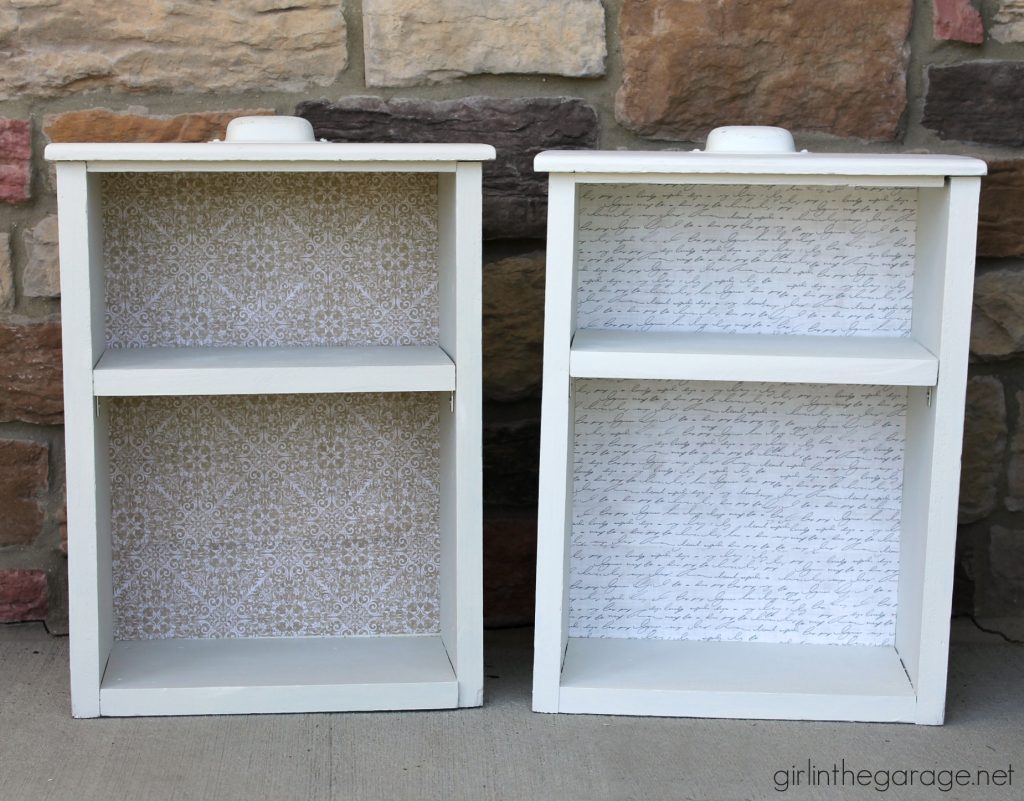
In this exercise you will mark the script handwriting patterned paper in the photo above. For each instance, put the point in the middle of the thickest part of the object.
(829, 261)
(736, 511)
(275, 516)
(265, 259)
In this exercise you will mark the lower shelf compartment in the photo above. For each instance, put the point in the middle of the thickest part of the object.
(735, 680)
(306, 674)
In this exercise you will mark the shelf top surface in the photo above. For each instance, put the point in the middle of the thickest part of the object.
(894, 361)
(701, 163)
(281, 370)
(279, 661)
(613, 663)
(268, 152)
(277, 358)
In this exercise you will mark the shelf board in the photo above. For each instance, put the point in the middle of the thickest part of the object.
(896, 361)
(302, 674)
(262, 371)
(735, 680)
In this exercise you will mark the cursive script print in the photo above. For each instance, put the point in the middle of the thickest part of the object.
(736, 511)
(829, 261)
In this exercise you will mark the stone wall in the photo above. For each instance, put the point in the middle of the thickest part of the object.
(890, 75)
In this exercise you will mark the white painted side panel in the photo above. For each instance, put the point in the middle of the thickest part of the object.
(948, 404)
(460, 295)
(448, 337)
(468, 420)
(88, 527)
(555, 492)
(929, 280)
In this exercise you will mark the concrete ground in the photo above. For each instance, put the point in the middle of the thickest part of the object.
(502, 751)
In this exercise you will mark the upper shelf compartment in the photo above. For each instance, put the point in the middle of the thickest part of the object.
(739, 259)
(270, 259)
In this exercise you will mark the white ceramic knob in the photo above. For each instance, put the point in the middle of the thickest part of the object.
(750, 139)
(269, 129)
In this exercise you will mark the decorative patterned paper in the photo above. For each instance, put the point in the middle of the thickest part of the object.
(819, 260)
(745, 512)
(265, 259)
(275, 516)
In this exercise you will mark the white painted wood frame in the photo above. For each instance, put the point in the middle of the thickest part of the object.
(219, 676)
(904, 681)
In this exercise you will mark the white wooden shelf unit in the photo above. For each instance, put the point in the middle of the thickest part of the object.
(754, 375)
(272, 399)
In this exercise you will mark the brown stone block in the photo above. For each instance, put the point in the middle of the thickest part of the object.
(410, 42)
(957, 21)
(15, 159)
(513, 323)
(511, 458)
(41, 276)
(24, 477)
(834, 67)
(984, 450)
(964, 570)
(58, 48)
(1001, 215)
(31, 382)
(977, 101)
(997, 324)
(62, 524)
(103, 125)
(23, 595)
(1008, 21)
(1014, 500)
(515, 197)
(510, 570)
(6, 273)
(1001, 591)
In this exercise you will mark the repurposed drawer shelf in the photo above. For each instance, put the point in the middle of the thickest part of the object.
(754, 374)
(272, 388)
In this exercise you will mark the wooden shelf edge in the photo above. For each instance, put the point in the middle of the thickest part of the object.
(741, 706)
(894, 361)
(631, 163)
(262, 371)
(277, 675)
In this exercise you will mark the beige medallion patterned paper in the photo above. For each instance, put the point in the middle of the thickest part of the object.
(267, 259)
(275, 516)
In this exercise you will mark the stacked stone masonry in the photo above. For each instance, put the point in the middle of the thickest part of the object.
(524, 75)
